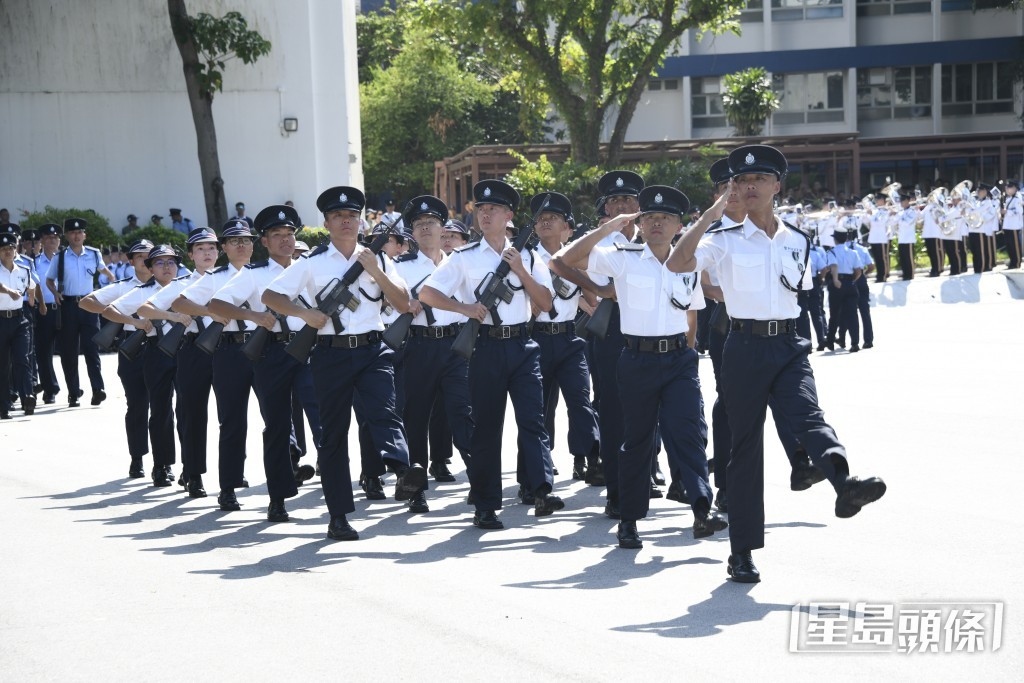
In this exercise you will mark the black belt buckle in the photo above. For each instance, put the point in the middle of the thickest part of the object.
(663, 346)
(773, 328)
(353, 341)
(506, 332)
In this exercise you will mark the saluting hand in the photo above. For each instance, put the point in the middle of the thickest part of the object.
(718, 208)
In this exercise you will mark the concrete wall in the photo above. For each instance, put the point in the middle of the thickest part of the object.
(95, 112)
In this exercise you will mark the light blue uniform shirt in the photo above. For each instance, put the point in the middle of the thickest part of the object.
(818, 260)
(42, 266)
(78, 270)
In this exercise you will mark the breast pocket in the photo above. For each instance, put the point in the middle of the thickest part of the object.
(476, 276)
(748, 272)
(640, 290)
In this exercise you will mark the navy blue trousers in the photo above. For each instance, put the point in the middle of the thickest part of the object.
(232, 383)
(502, 370)
(605, 354)
(136, 415)
(563, 367)
(194, 380)
(304, 401)
(842, 306)
(755, 369)
(274, 380)
(78, 327)
(338, 374)
(15, 336)
(159, 373)
(440, 434)
(46, 335)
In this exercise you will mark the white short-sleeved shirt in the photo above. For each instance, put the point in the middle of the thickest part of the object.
(1013, 219)
(19, 278)
(609, 241)
(308, 276)
(166, 296)
(652, 299)
(906, 225)
(415, 271)
(115, 290)
(468, 266)
(565, 306)
(202, 290)
(247, 287)
(129, 302)
(751, 266)
(879, 226)
(989, 216)
(930, 228)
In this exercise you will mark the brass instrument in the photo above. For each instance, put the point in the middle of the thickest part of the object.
(892, 193)
(936, 204)
(969, 204)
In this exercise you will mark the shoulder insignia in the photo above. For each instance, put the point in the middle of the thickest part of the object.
(127, 279)
(181, 277)
(258, 264)
(717, 227)
(629, 246)
(149, 283)
(405, 258)
(220, 269)
(467, 247)
(91, 248)
(322, 249)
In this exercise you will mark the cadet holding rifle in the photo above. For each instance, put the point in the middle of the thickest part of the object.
(129, 371)
(349, 355)
(506, 361)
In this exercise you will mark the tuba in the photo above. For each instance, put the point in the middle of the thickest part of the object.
(968, 204)
(936, 206)
(892, 193)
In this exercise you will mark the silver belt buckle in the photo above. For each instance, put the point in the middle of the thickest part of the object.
(289, 337)
(506, 332)
(437, 332)
(773, 328)
(353, 341)
(245, 336)
(663, 346)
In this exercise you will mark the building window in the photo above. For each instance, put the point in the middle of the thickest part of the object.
(752, 12)
(982, 88)
(796, 10)
(971, 5)
(875, 8)
(706, 103)
(663, 84)
(903, 92)
(808, 98)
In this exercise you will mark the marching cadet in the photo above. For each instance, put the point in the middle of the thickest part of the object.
(349, 355)
(15, 283)
(506, 361)
(158, 369)
(563, 363)
(880, 237)
(844, 268)
(129, 370)
(69, 278)
(434, 376)
(989, 210)
(759, 264)
(932, 235)
(194, 373)
(46, 321)
(454, 235)
(906, 235)
(25, 257)
(1013, 222)
(657, 371)
(274, 375)
(953, 244)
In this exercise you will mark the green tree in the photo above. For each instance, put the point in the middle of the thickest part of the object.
(206, 44)
(748, 100)
(592, 58)
(98, 233)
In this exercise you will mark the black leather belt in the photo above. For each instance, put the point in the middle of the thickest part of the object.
(15, 313)
(846, 278)
(190, 337)
(278, 337)
(235, 337)
(567, 327)
(504, 331)
(348, 341)
(763, 328)
(434, 332)
(655, 344)
(71, 299)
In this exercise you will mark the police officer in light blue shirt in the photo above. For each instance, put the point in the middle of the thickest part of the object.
(46, 323)
(811, 314)
(863, 293)
(845, 267)
(179, 224)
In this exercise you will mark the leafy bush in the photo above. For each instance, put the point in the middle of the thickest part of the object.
(98, 233)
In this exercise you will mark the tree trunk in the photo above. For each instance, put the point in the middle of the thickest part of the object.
(202, 117)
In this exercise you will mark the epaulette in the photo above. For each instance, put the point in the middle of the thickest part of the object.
(467, 247)
(258, 264)
(796, 229)
(220, 269)
(149, 283)
(127, 279)
(405, 258)
(717, 227)
(92, 248)
(181, 277)
(322, 249)
(629, 246)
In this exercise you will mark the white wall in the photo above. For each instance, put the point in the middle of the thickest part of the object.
(95, 113)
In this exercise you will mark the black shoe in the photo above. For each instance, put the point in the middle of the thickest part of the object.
(470, 498)
(160, 477)
(37, 389)
(440, 472)
(244, 484)
(303, 473)
(98, 397)
(841, 343)
(340, 530)
(525, 496)
(486, 519)
(4, 415)
(655, 492)
(676, 493)
(73, 402)
(547, 504)
(182, 481)
(579, 468)
(418, 503)
(854, 348)
(804, 477)
(554, 470)
(611, 510)
(707, 524)
(135, 470)
(595, 473)
(374, 488)
(195, 487)
(856, 494)
(742, 569)
(821, 347)
(276, 512)
(658, 477)
(48, 398)
(628, 536)
(831, 344)
(227, 501)
(411, 482)
(28, 404)
(869, 345)
(721, 502)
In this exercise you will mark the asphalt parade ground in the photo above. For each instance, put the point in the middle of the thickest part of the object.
(108, 578)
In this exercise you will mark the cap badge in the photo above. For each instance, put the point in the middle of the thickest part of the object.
(343, 197)
(618, 182)
(280, 215)
(423, 206)
(487, 192)
(76, 224)
(749, 159)
(658, 199)
(239, 224)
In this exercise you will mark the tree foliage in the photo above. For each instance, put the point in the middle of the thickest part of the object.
(220, 39)
(748, 100)
(98, 232)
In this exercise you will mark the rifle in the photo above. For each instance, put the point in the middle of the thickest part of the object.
(106, 338)
(252, 348)
(209, 338)
(172, 340)
(398, 331)
(493, 289)
(331, 298)
(597, 324)
(132, 346)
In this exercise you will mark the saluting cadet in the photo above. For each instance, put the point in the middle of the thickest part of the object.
(15, 283)
(274, 375)
(193, 376)
(129, 371)
(759, 266)
(880, 237)
(906, 236)
(1013, 223)
(69, 278)
(563, 362)
(506, 361)
(158, 369)
(349, 355)
(844, 268)
(46, 321)
(657, 372)
(434, 376)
